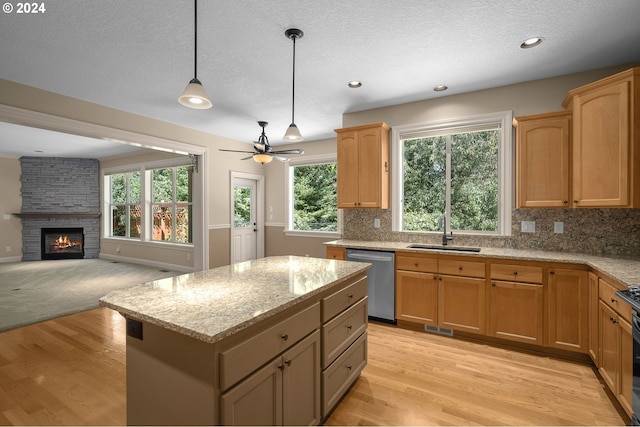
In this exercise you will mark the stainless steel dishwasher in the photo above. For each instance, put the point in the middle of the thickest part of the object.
(381, 282)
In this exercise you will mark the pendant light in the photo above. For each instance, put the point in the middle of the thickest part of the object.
(194, 95)
(293, 133)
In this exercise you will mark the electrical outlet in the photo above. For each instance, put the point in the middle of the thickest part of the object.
(376, 223)
(558, 227)
(7, 249)
(528, 226)
(6, 217)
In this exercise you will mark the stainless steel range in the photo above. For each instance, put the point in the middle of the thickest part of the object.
(632, 297)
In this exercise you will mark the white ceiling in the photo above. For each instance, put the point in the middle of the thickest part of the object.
(137, 56)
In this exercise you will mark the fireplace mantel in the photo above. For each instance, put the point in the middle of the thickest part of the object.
(41, 215)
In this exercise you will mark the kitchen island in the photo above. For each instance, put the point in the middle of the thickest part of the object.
(277, 340)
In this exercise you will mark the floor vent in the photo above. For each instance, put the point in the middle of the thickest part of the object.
(438, 330)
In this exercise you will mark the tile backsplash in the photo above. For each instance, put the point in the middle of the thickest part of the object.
(604, 232)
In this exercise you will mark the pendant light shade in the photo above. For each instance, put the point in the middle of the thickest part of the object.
(293, 133)
(194, 95)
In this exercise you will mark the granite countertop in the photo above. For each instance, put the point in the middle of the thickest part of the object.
(213, 304)
(626, 271)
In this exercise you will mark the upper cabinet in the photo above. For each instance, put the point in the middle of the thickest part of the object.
(363, 166)
(542, 158)
(606, 138)
(586, 156)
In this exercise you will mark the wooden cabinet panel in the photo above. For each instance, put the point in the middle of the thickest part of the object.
(461, 303)
(516, 273)
(542, 160)
(462, 268)
(336, 253)
(608, 295)
(363, 166)
(517, 311)
(625, 393)
(416, 262)
(593, 317)
(301, 383)
(417, 297)
(339, 333)
(344, 298)
(568, 309)
(609, 360)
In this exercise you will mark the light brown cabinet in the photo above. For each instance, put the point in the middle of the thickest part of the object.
(336, 253)
(441, 291)
(542, 160)
(568, 309)
(606, 153)
(615, 359)
(516, 303)
(594, 309)
(363, 166)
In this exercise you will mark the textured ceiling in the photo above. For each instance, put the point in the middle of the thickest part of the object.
(137, 56)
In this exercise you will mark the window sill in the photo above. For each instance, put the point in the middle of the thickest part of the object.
(322, 234)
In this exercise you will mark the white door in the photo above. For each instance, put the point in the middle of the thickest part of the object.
(244, 224)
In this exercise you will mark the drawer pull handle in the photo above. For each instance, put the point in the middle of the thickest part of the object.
(349, 327)
(284, 337)
(350, 296)
(460, 268)
(349, 367)
(614, 300)
(287, 362)
(493, 284)
(281, 367)
(515, 273)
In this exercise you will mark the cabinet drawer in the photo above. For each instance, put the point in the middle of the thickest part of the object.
(339, 333)
(341, 300)
(462, 268)
(338, 377)
(416, 263)
(609, 297)
(239, 361)
(335, 253)
(516, 273)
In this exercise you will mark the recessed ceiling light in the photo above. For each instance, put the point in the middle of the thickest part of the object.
(440, 88)
(531, 42)
(354, 84)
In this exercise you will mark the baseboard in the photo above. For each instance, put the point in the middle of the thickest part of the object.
(157, 264)
(10, 259)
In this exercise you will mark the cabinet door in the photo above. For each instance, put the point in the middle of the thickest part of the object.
(256, 400)
(609, 360)
(625, 393)
(417, 297)
(335, 253)
(568, 311)
(516, 311)
(301, 383)
(461, 303)
(347, 169)
(593, 317)
(542, 153)
(601, 145)
(370, 168)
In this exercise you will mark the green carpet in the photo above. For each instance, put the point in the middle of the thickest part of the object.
(34, 291)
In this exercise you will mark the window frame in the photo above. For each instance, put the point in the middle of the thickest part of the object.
(306, 161)
(145, 170)
(503, 120)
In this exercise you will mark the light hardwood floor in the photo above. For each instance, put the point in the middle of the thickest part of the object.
(71, 371)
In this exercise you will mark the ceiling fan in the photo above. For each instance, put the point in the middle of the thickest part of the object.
(262, 151)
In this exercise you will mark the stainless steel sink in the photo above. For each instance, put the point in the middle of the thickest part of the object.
(444, 248)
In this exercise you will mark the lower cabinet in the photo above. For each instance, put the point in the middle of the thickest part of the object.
(417, 297)
(461, 303)
(594, 309)
(568, 296)
(284, 392)
(517, 311)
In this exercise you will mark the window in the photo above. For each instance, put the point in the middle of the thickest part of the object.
(125, 204)
(312, 202)
(454, 171)
(151, 204)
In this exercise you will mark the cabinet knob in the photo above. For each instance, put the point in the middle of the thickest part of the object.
(284, 337)
(350, 296)
(493, 284)
(565, 202)
(575, 202)
(281, 367)
(614, 300)
(349, 367)
(552, 272)
(459, 268)
(515, 273)
(287, 362)
(349, 327)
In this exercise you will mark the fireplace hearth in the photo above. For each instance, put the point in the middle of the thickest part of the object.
(62, 243)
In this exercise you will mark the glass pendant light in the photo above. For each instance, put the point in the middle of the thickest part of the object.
(293, 133)
(194, 95)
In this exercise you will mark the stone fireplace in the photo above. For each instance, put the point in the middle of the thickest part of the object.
(60, 193)
(62, 243)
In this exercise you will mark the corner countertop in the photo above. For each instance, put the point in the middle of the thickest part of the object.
(213, 304)
(626, 271)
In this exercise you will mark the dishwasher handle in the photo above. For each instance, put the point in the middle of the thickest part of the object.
(369, 257)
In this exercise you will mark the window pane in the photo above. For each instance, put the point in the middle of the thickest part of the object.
(118, 189)
(161, 215)
(424, 183)
(184, 183)
(242, 207)
(183, 223)
(118, 221)
(315, 204)
(162, 185)
(474, 181)
(134, 187)
(135, 214)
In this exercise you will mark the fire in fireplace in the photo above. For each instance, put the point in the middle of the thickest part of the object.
(62, 243)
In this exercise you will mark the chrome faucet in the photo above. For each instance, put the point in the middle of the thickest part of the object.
(446, 239)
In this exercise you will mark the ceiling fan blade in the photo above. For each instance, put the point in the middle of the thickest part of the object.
(247, 158)
(235, 151)
(282, 159)
(295, 151)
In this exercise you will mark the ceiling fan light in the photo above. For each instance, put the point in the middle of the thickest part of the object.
(262, 158)
(293, 134)
(194, 96)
